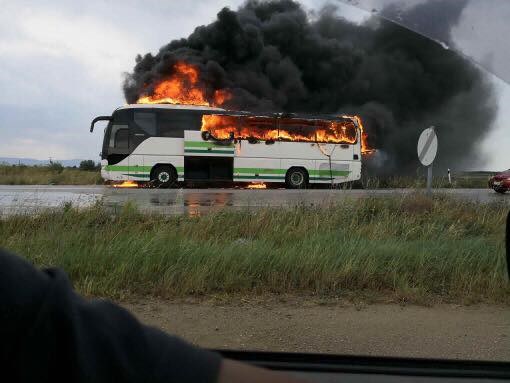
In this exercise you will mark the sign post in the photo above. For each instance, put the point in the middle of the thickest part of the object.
(429, 179)
(427, 150)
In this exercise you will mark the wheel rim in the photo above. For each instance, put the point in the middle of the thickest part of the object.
(163, 177)
(296, 178)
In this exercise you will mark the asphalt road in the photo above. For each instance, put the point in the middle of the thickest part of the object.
(29, 199)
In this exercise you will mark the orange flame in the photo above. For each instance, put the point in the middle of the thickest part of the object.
(221, 96)
(223, 127)
(183, 87)
(257, 185)
(126, 184)
(365, 149)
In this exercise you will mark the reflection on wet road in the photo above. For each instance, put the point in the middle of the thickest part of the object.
(28, 199)
(33, 198)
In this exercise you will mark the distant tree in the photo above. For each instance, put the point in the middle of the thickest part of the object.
(56, 166)
(88, 165)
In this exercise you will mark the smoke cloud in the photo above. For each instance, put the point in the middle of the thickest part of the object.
(273, 56)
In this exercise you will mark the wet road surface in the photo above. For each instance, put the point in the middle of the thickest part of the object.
(34, 198)
(29, 199)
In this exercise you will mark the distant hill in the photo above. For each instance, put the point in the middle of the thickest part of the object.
(32, 161)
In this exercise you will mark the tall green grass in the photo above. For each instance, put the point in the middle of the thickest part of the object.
(459, 181)
(414, 248)
(47, 175)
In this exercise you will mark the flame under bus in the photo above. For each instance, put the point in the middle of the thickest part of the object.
(163, 143)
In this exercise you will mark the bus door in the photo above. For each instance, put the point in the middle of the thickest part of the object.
(117, 153)
(142, 127)
(206, 158)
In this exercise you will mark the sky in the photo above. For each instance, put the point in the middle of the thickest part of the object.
(62, 64)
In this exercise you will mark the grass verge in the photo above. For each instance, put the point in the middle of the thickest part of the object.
(415, 249)
(47, 175)
(466, 180)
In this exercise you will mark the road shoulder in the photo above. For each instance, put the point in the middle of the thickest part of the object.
(440, 331)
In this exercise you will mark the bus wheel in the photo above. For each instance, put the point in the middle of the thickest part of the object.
(296, 178)
(164, 176)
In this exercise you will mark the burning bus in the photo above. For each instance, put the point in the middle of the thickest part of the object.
(166, 143)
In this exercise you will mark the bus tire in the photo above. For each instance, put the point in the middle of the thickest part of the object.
(163, 176)
(296, 178)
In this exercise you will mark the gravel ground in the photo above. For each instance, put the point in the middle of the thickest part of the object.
(307, 325)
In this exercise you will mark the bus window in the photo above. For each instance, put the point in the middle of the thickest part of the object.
(344, 132)
(173, 123)
(123, 116)
(324, 131)
(106, 141)
(292, 129)
(146, 121)
(258, 128)
(119, 137)
(221, 127)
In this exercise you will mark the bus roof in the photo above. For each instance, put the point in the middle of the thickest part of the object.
(170, 106)
(238, 113)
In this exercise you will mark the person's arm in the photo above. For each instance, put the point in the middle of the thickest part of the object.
(49, 333)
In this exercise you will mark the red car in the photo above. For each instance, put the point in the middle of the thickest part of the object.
(500, 182)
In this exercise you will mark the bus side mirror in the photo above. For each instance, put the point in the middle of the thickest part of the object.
(100, 118)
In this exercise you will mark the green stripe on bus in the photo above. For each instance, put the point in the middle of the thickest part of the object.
(134, 168)
(144, 175)
(258, 178)
(117, 168)
(136, 175)
(125, 168)
(320, 173)
(201, 144)
(316, 174)
(320, 178)
(209, 151)
(260, 171)
(327, 173)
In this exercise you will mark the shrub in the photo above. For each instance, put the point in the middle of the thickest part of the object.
(89, 165)
(56, 166)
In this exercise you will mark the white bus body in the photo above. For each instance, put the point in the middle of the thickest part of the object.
(141, 139)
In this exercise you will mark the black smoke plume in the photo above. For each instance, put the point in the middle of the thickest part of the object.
(273, 56)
